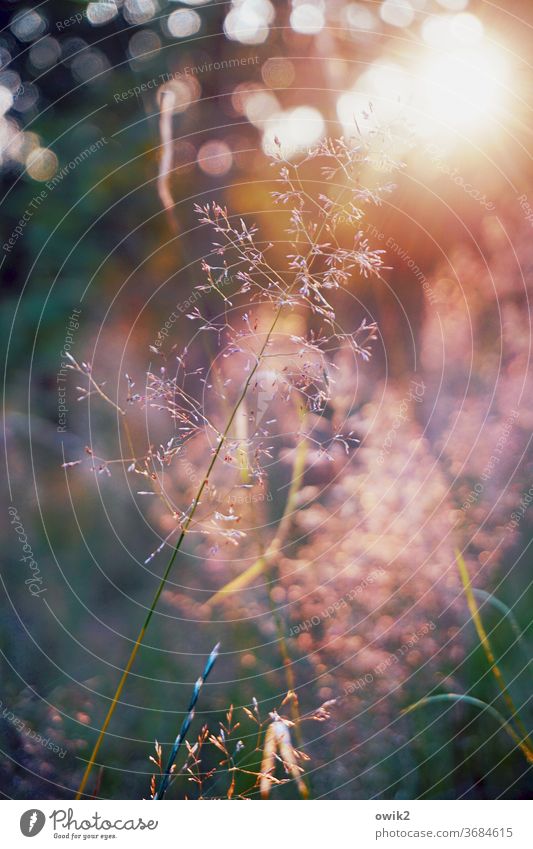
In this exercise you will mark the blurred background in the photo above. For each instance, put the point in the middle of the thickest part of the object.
(116, 118)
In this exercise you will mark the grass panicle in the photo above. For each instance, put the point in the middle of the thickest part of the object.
(318, 263)
(186, 724)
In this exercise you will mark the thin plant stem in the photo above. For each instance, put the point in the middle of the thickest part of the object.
(266, 563)
(303, 787)
(75, 366)
(167, 775)
(268, 556)
(177, 547)
(260, 565)
(461, 697)
(487, 648)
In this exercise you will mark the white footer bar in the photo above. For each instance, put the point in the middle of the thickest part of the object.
(270, 824)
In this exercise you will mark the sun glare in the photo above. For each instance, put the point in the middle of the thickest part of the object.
(455, 85)
(461, 89)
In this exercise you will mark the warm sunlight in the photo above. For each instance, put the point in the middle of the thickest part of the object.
(462, 89)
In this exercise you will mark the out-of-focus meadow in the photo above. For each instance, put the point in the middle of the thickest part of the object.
(117, 119)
